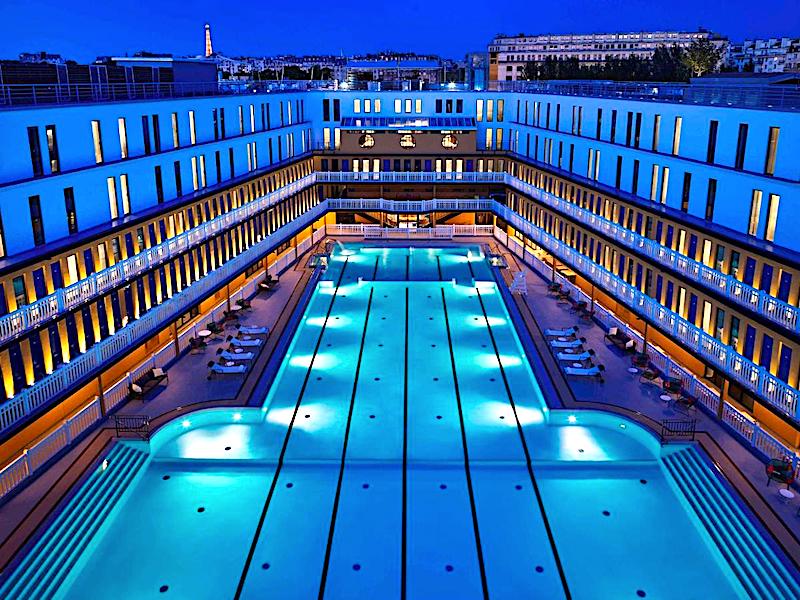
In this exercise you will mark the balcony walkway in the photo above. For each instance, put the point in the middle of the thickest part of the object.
(23, 513)
(622, 390)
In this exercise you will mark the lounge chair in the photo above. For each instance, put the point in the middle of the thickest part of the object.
(621, 340)
(553, 288)
(593, 371)
(245, 304)
(568, 343)
(651, 377)
(217, 369)
(244, 343)
(226, 355)
(561, 332)
(568, 356)
(215, 328)
(247, 330)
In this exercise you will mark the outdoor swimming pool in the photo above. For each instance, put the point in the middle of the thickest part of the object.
(404, 450)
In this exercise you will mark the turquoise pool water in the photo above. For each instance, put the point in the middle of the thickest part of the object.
(391, 460)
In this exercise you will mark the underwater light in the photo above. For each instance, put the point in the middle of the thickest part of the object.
(237, 416)
(186, 423)
(572, 419)
(105, 464)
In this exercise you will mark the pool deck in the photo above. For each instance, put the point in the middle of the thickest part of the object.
(622, 393)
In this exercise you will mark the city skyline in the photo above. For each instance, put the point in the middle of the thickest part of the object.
(449, 34)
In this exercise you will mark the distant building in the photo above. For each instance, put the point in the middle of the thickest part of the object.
(476, 70)
(508, 54)
(41, 57)
(772, 55)
(164, 68)
(391, 66)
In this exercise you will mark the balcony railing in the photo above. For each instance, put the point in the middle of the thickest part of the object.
(64, 299)
(753, 377)
(411, 206)
(410, 177)
(69, 374)
(759, 301)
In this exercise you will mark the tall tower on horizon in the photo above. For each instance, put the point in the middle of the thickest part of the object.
(209, 48)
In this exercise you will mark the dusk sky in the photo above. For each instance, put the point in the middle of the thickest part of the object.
(83, 29)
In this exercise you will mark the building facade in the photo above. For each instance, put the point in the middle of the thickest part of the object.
(121, 221)
(509, 54)
(773, 55)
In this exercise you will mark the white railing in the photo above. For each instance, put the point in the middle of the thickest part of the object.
(742, 424)
(411, 176)
(32, 458)
(754, 377)
(64, 377)
(65, 299)
(412, 206)
(759, 301)
(443, 232)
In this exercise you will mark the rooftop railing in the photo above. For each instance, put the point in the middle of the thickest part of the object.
(758, 96)
(12, 95)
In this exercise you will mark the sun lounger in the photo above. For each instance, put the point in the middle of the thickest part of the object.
(225, 355)
(217, 369)
(594, 371)
(561, 332)
(244, 343)
(247, 330)
(568, 343)
(568, 356)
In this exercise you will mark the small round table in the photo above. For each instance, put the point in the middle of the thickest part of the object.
(633, 370)
(665, 397)
(236, 308)
(786, 495)
(204, 333)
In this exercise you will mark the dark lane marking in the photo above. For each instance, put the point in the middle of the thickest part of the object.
(539, 500)
(262, 518)
(336, 498)
(478, 547)
(403, 548)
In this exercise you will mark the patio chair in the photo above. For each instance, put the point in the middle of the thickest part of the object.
(577, 343)
(593, 371)
(245, 304)
(564, 297)
(138, 389)
(685, 403)
(196, 345)
(561, 332)
(217, 369)
(215, 329)
(578, 305)
(651, 377)
(780, 470)
(226, 355)
(553, 287)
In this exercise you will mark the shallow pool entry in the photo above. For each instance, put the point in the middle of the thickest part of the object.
(404, 450)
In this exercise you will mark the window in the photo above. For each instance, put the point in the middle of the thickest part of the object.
(418, 106)
(336, 114)
(156, 134)
(97, 138)
(479, 110)
(599, 123)
(490, 110)
(111, 184)
(687, 183)
(69, 204)
(36, 220)
(367, 105)
(398, 106)
(664, 184)
(52, 147)
(629, 129)
(176, 138)
(36, 151)
(755, 212)
(178, 186)
(126, 200)
(159, 185)
(123, 137)
(772, 217)
(408, 105)
(377, 105)
(711, 197)
(193, 129)
(712, 141)
(613, 137)
(676, 135)
(656, 132)
(146, 133)
(241, 119)
(438, 105)
(741, 146)
(357, 105)
(500, 109)
(635, 178)
(654, 183)
(326, 110)
(618, 179)
(489, 138)
(20, 293)
(772, 149)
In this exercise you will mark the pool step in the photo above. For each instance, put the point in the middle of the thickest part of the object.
(761, 572)
(46, 565)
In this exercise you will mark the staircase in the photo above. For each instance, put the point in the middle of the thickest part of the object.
(49, 561)
(760, 571)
